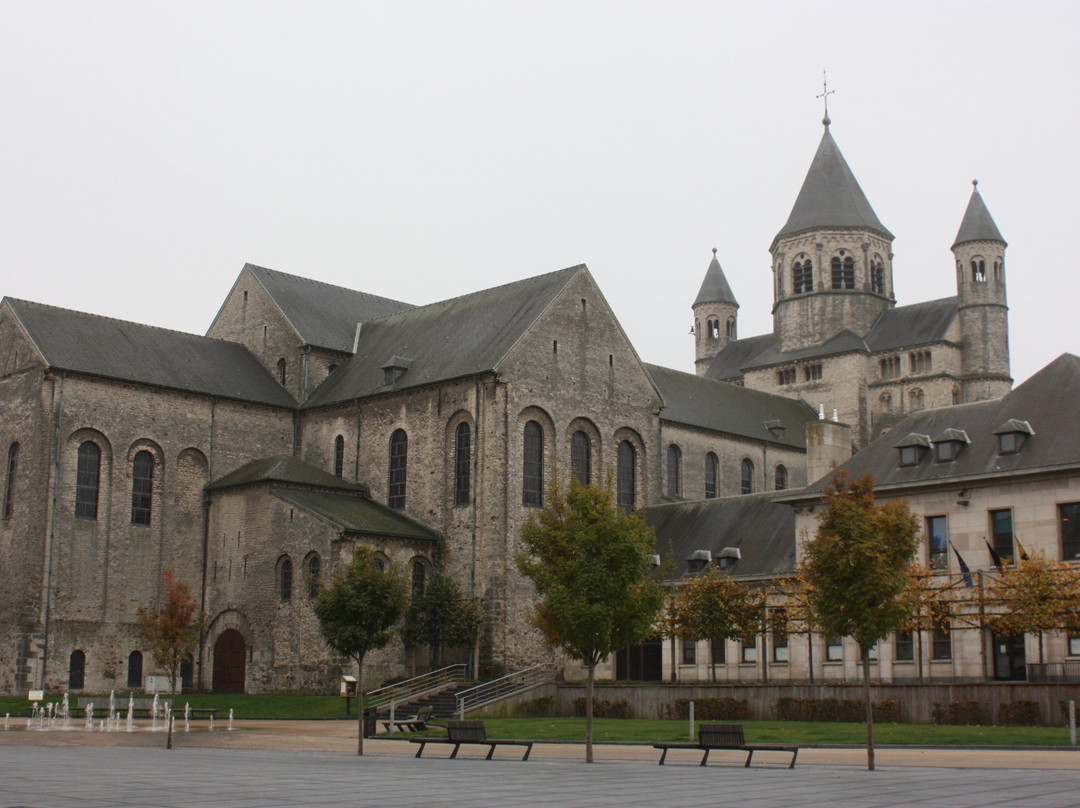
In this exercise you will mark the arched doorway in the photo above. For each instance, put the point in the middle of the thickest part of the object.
(230, 659)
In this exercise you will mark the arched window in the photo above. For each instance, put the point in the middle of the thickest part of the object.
(731, 328)
(9, 485)
(419, 578)
(87, 478)
(747, 482)
(915, 399)
(285, 579)
(314, 576)
(339, 455)
(780, 479)
(802, 276)
(77, 670)
(956, 394)
(714, 329)
(843, 273)
(281, 370)
(674, 470)
(142, 487)
(877, 276)
(580, 457)
(978, 270)
(462, 464)
(626, 475)
(885, 402)
(134, 678)
(399, 468)
(532, 483)
(712, 468)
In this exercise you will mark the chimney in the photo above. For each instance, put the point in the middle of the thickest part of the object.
(828, 444)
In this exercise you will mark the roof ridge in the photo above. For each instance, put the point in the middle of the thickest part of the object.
(119, 320)
(256, 268)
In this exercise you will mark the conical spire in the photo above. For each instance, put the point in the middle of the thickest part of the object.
(715, 287)
(830, 196)
(978, 224)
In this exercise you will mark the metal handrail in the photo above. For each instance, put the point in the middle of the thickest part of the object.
(422, 685)
(487, 692)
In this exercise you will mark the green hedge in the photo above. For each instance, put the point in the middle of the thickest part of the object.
(964, 713)
(711, 709)
(793, 709)
(1023, 713)
(603, 708)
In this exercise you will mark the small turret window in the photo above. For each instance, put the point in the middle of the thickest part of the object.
(802, 276)
(714, 329)
(731, 328)
(890, 367)
(978, 270)
(877, 276)
(921, 361)
(785, 376)
(915, 399)
(843, 273)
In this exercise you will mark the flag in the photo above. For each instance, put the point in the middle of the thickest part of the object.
(965, 571)
(994, 557)
(1021, 552)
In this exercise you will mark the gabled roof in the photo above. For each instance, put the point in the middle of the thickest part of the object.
(846, 341)
(283, 469)
(324, 316)
(737, 355)
(696, 401)
(353, 513)
(1053, 446)
(830, 197)
(715, 287)
(910, 326)
(978, 224)
(89, 344)
(447, 340)
(762, 529)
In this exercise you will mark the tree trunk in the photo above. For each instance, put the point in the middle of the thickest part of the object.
(869, 709)
(810, 653)
(588, 711)
(712, 658)
(360, 705)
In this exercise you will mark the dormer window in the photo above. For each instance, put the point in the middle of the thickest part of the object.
(947, 446)
(912, 449)
(698, 560)
(395, 369)
(1012, 434)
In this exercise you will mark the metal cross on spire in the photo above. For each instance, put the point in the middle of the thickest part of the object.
(825, 93)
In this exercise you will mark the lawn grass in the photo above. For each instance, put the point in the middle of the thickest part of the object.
(278, 706)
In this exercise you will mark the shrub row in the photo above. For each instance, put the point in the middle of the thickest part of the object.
(711, 709)
(793, 709)
(1024, 712)
(536, 708)
(603, 708)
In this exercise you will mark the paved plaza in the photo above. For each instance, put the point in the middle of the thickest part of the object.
(311, 764)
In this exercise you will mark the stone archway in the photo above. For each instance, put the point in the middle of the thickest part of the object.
(230, 662)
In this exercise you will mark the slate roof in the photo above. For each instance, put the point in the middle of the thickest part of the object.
(90, 344)
(846, 341)
(696, 401)
(898, 328)
(324, 316)
(1047, 401)
(738, 354)
(353, 513)
(830, 197)
(978, 224)
(909, 326)
(762, 529)
(446, 340)
(283, 469)
(715, 288)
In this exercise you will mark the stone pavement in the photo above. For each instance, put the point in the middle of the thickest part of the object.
(302, 763)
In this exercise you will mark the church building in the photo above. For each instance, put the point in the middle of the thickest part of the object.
(311, 418)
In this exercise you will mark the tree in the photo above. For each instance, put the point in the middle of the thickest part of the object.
(172, 633)
(857, 567)
(714, 605)
(1035, 596)
(589, 562)
(357, 613)
(442, 617)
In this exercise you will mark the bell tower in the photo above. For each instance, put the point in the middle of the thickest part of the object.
(715, 316)
(980, 287)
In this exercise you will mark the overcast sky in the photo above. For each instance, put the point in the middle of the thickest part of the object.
(423, 150)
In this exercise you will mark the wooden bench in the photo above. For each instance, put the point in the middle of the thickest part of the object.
(713, 737)
(470, 732)
(415, 723)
